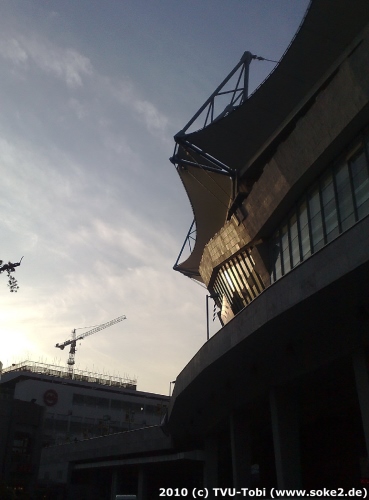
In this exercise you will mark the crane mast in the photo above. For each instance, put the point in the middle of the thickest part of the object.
(73, 341)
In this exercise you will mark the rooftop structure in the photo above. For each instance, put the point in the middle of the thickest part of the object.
(82, 404)
(78, 375)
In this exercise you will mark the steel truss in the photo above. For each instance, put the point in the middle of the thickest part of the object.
(238, 95)
(189, 240)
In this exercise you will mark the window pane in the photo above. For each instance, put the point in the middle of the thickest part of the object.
(78, 399)
(237, 302)
(329, 208)
(115, 404)
(316, 220)
(294, 240)
(219, 288)
(76, 425)
(237, 277)
(229, 281)
(238, 296)
(246, 291)
(344, 194)
(254, 280)
(226, 286)
(102, 402)
(285, 249)
(360, 180)
(304, 230)
(276, 258)
(61, 423)
(49, 422)
(232, 294)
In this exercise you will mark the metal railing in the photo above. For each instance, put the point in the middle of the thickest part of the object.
(79, 375)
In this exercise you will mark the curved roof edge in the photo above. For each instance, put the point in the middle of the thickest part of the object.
(327, 29)
(209, 194)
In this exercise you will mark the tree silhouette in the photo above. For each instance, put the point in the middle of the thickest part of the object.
(10, 268)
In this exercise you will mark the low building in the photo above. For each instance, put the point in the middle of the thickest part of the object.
(43, 405)
(86, 405)
(21, 424)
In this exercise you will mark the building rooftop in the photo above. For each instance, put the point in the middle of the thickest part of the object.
(78, 375)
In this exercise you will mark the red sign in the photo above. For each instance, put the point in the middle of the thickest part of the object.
(50, 397)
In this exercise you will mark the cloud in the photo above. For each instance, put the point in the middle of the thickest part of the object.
(79, 109)
(13, 50)
(123, 90)
(65, 64)
(155, 121)
(79, 172)
(75, 70)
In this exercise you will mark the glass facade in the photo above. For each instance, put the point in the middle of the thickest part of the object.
(336, 201)
(115, 404)
(116, 415)
(238, 282)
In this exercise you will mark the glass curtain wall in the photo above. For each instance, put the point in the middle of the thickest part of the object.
(336, 201)
(238, 281)
(339, 199)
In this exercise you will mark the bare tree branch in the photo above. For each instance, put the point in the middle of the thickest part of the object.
(10, 268)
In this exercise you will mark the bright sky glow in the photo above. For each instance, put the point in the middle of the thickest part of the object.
(91, 95)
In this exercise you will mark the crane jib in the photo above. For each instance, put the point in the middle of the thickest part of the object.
(74, 339)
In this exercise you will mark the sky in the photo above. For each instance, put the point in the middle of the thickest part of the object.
(91, 94)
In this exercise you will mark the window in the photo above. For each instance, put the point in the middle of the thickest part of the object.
(329, 207)
(61, 423)
(304, 230)
(78, 399)
(76, 425)
(317, 236)
(276, 257)
(344, 196)
(21, 444)
(338, 199)
(286, 261)
(92, 401)
(360, 181)
(295, 244)
(238, 281)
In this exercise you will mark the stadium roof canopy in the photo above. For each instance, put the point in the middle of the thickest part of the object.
(230, 144)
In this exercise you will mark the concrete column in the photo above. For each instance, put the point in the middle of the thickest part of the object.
(362, 388)
(142, 483)
(211, 462)
(241, 450)
(285, 426)
(114, 484)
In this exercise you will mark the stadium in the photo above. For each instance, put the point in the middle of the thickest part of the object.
(278, 182)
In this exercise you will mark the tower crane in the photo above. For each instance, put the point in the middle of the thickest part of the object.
(73, 341)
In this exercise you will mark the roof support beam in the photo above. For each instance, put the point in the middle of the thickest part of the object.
(220, 166)
(176, 160)
(188, 240)
(244, 64)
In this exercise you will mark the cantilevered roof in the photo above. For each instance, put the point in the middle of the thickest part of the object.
(235, 140)
(209, 194)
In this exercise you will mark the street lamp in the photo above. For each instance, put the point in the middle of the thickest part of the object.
(170, 387)
(211, 296)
